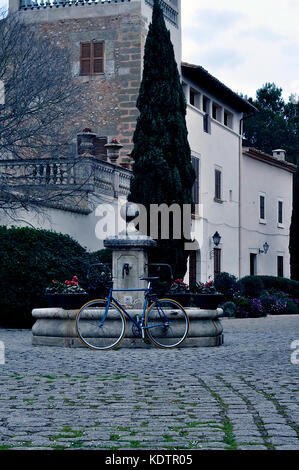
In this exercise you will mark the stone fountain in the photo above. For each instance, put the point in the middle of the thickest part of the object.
(55, 326)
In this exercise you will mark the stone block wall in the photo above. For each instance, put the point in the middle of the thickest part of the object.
(109, 98)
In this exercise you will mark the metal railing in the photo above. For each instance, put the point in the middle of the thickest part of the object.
(170, 13)
(39, 4)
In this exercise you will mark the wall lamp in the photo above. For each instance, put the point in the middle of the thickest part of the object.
(266, 247)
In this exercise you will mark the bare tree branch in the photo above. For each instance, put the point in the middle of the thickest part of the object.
(42, 101)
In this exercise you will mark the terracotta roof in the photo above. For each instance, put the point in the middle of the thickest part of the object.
(266, 158)
(205, 80)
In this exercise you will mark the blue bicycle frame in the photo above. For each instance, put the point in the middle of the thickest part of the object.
(140, 324)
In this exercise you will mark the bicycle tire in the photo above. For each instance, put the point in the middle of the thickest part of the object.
(96, 335)
(167, 323)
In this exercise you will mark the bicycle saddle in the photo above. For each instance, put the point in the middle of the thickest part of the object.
(149, 278)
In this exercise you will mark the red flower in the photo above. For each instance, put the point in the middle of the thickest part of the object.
(75, 278)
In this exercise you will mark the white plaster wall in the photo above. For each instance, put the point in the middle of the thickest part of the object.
(81, 227)
(277, 184)
(220, 148)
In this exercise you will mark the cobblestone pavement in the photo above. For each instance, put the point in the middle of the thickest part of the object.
(242, 395)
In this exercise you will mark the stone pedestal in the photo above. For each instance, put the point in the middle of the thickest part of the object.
(129, 264)
(56, 327)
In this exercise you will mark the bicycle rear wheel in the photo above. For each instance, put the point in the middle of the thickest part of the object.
(99, 328)
(167, 323)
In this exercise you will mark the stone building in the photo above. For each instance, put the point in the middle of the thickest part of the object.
(234, 186)
(106, 39)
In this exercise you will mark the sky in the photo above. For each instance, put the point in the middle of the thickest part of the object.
(244, 44)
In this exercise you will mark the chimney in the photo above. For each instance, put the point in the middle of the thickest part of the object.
(280, 154)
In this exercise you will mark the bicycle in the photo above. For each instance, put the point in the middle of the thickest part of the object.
(101, 323)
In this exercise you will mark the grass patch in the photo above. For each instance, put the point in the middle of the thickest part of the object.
(168, 438)
(124, 428)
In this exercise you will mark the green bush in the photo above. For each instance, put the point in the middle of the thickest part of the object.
(30, 260)
(229, 309)
(281, 284)
(251, 286)
(103, 256)
(248, 307)
(292, 308)
(226, 284)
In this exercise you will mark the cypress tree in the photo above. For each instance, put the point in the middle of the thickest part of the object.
(294, 246)
(162, 169)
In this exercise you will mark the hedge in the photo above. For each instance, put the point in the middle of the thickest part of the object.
(281, 284)
(30, 259)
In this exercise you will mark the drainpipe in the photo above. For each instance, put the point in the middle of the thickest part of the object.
(240, 196)
(240, 186)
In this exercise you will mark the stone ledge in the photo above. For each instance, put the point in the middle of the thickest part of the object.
(56, 327)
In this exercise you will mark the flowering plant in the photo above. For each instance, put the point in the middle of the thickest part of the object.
(275, 302)
(66, 287)
(179, 286)
(247, 307)
(114, 141)
(86, 129)
(204, 288)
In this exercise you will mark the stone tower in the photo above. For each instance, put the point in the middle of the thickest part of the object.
(106, 39)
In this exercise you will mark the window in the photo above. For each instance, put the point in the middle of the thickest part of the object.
(194, 98)
(195, 189)
(262, 208)
(192, 268)
(217, 260)
(216, 112)
(207, 123)
(280, 266)
(253, 264)
(280, 212)
(218, 191)
(228, 119)
(91, 58)
(206, 105)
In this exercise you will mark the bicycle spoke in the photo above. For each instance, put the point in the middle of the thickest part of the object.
(167, 323)
(99, 328)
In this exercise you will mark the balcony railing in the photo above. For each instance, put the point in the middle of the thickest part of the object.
(170, 13)
(39, 4)
(84, 174)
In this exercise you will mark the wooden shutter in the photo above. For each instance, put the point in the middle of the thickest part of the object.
(280, 272)
(85, 58)
(262, 207)
(98, 57)
(91, 58)
(195, 189)
(217, 184)
(207, 123)
(280, 217)
(192, 268)
(217, 260)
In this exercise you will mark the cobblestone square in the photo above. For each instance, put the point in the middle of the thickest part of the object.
(242, 395)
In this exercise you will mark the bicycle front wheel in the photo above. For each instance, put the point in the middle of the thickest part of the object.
(166, 323)
(99, 327)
